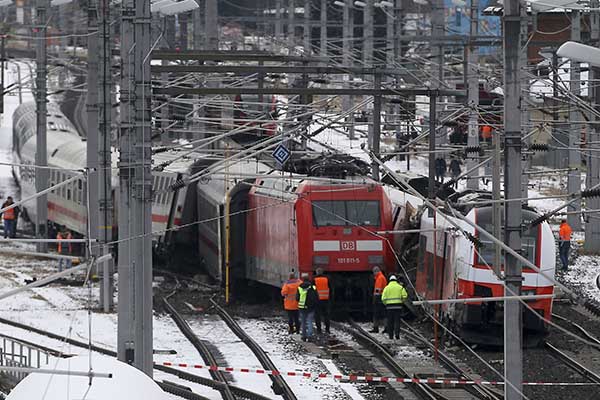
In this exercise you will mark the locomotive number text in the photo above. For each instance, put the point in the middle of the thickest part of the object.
(349, 260)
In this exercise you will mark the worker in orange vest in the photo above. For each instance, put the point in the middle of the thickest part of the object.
(10, 218)
(66, 262)
(290, 303)
(322, 312)
(486, 133)
(564, 243)
(378, 307)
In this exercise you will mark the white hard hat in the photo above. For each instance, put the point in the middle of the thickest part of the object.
(393, 278)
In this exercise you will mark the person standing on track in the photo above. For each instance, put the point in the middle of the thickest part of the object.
(564, 243)
(378, 307)
(60, 236)
(307, 302)
(10, 218)
(290, 303)
(393, 297)
(322, 311)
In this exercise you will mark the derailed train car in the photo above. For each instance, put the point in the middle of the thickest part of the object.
(455, 261)
(67, 205)
(458, 266)
(279, 224)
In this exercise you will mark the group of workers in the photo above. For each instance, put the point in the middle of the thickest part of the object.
(307, 302)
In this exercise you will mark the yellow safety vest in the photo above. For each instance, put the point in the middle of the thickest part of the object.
(302, 301)
(394, 294)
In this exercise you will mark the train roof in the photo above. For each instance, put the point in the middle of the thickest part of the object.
(214, 185)
(179, 160)
(24, 124)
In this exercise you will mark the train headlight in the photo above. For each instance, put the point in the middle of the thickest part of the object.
(320, 260)
(375, 259)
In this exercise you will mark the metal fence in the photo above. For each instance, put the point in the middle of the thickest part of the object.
(16, 353)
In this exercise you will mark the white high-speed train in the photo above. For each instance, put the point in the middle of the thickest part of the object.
(67, 154)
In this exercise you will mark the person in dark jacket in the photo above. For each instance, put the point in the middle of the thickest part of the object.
(455, 170)
(10, 218)
(307, 303)
(440, 169)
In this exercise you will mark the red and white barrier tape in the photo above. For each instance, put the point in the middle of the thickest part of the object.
(367, 378)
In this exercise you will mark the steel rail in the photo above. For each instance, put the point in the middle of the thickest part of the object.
(422, 391)
(201, 347)
(572, 363)
(244, 393)
(580, 328)
(178, 390)
(280, 386)
(481, 391)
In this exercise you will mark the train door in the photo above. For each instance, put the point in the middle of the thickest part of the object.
(439, 264)
(448, 281)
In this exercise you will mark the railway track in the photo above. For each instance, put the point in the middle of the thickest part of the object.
(241, 393)
(201, 347)
(280, 386)
(422, 391)
(572, 363)
(579, 328)
(481, 391)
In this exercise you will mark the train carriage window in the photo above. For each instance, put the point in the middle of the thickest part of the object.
(79, 191)
(487, 250)
(84, 194)
(158, 181)
(63, 189)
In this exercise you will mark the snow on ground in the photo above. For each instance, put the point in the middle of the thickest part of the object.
(126, 382)
(235, 352)
(289, 355)
(584, 274)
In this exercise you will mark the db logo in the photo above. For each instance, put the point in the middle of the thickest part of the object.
(348, 246)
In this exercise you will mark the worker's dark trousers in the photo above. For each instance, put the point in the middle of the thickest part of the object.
(378, 313)
(394, 314)
(322, 315)
(563, 248)
(293, 321)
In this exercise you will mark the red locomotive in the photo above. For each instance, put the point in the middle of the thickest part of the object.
(281, 224)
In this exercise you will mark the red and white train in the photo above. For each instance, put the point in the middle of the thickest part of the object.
(281, 223)
(452, 265)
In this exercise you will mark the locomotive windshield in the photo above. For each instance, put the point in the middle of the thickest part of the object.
(486, 252)
(346, 213)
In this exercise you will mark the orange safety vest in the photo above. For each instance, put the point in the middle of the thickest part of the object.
(486, 132)
(59, 245)
(322, 284)
(564, 233)
(9, 214)
(380, 284)
(288, 291)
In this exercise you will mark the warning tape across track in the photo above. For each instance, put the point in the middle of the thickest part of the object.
(367, 378)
